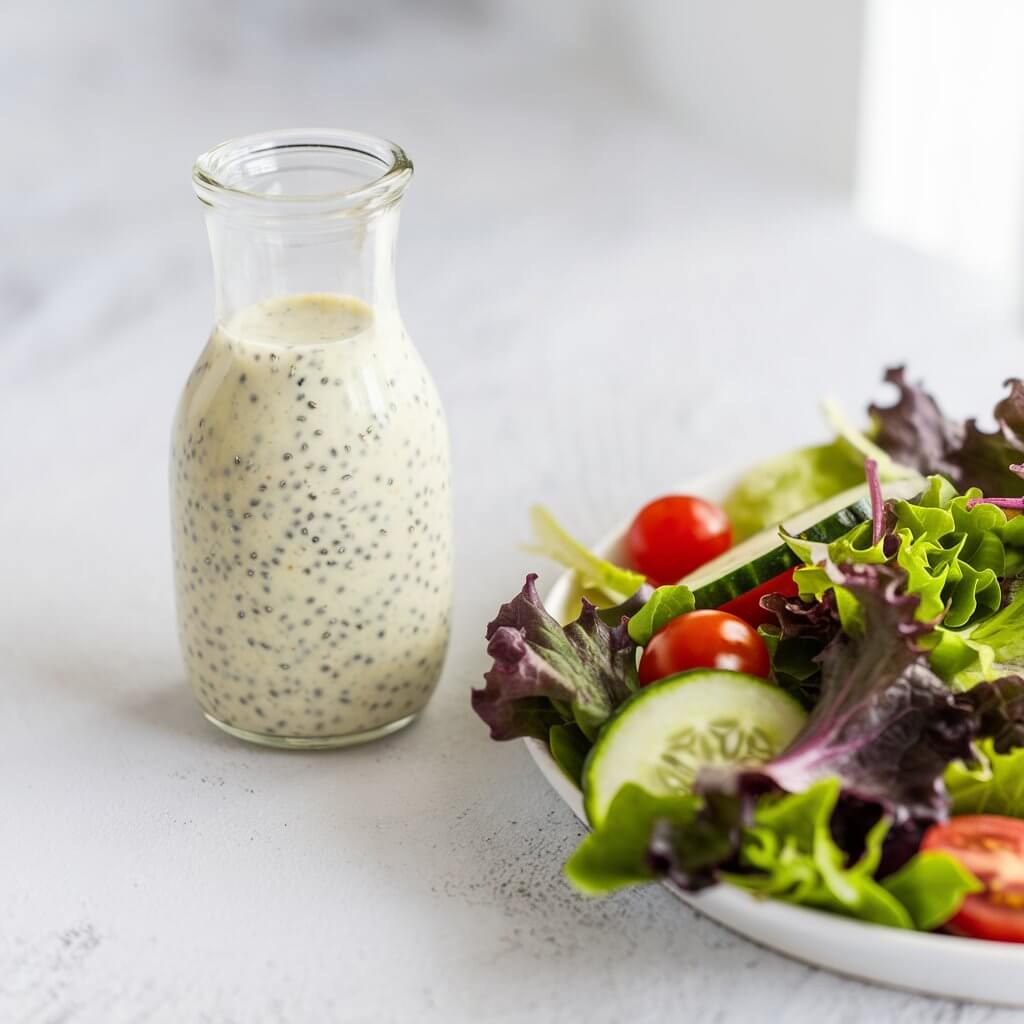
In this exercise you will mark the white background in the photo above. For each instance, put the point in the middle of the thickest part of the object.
(609, 307)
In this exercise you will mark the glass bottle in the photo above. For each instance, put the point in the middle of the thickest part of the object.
(310, 487)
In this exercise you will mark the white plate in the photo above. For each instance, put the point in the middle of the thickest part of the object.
(990, 972)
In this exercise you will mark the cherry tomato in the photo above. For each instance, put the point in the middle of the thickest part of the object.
(992, 849)
(672, 536)
(748, 606)
(704, 639)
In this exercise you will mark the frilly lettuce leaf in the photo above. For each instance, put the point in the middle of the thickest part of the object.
(794, 858)
(996, 786)
(792, 844)
(553, 541)
(545, 674)
(999, 640)
(990, 649)
(953, 555)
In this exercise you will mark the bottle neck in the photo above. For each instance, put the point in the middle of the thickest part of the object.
(254, 261)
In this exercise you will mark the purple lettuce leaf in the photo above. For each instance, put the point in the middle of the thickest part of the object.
(800, 619)
(986, 460)
(916, 433)
(884, 724)
(999, 711)
(544, 674)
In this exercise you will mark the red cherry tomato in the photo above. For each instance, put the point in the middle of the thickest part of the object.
(673, 536)
(748, 606)
(704, 639)
(992, 849)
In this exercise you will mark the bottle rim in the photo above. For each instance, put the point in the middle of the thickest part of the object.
(355, 174)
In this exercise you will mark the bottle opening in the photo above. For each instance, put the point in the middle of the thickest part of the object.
(319, 171)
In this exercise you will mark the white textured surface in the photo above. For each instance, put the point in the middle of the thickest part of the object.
(607, 309)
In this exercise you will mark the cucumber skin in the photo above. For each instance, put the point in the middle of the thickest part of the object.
(767, 566)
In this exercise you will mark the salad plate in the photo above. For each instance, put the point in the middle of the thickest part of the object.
(927, 963)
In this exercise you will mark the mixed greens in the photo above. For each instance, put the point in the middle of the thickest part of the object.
(834, 717)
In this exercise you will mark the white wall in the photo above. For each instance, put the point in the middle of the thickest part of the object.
(912, 109)
(776, 81)
(941, 161)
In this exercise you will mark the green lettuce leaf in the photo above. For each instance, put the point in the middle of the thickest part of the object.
(664, 605)
(794, 662)
(931, 886)
(776, 489)
(992, 648)
(618, 853)
(796, 641)
(552, 540)
(995, 787)
(955, 558)
(786, 853)
(794, 858)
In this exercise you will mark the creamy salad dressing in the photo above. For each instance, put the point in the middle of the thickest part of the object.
(311, 511)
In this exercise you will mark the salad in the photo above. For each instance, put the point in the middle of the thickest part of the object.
(812, 692)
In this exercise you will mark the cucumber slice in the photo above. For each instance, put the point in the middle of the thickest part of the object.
(762, 557)
(662, 735)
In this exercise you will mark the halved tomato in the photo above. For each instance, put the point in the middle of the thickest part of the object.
(991, 847)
